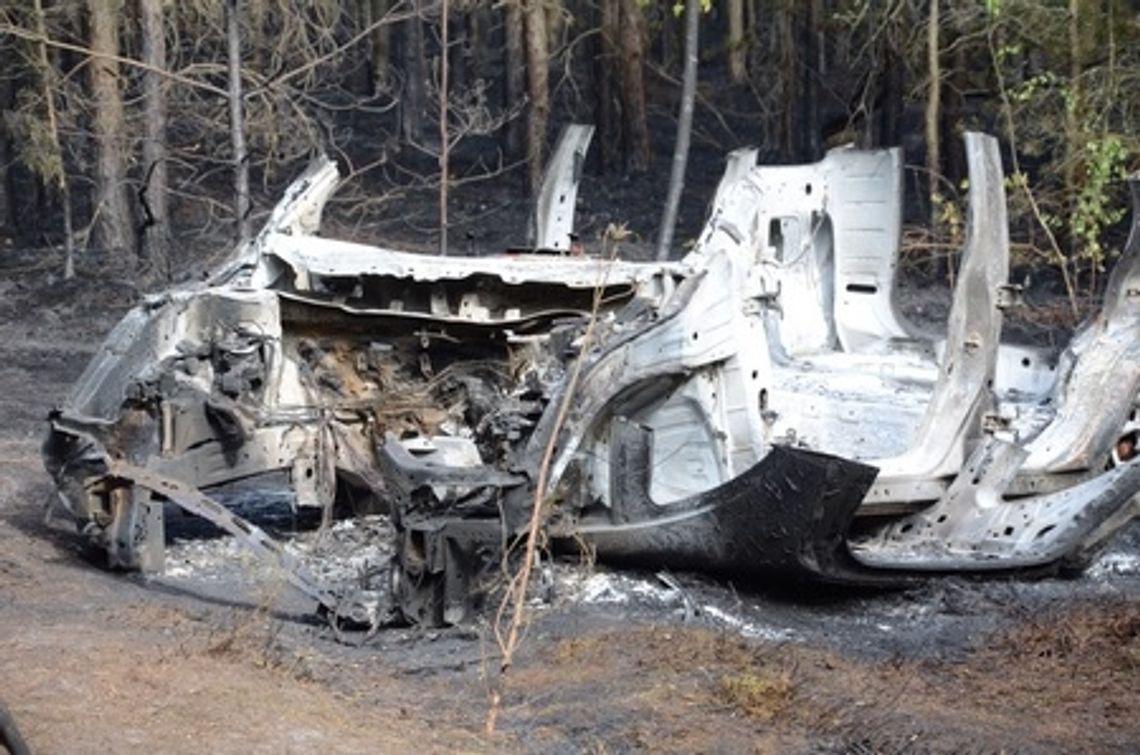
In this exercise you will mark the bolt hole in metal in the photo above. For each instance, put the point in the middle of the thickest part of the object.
(1126, 447)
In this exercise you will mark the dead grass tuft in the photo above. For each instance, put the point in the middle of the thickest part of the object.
(762, 694)
(1105, 636)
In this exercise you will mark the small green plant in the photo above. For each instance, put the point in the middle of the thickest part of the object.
(1094, 208)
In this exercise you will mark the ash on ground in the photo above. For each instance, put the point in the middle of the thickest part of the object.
(944, 617)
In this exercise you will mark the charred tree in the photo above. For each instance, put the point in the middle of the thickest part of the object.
(1073, 115)
(933, 114)
(444, 135)
(237, 121)
(635, 120)
(414, 98)
(55, 175)
(514, 90)
(886, 100)
(7, 63)
(153, 193)
(378, 44)
(607, 85)
(112, 224)
(786, 81)
(737, 51)
(810, 71)
(684, 130)
(538, 91)
(957, 79)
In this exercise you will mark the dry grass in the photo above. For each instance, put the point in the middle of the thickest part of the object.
(762, 694)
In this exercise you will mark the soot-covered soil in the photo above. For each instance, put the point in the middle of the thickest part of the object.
(218, 656)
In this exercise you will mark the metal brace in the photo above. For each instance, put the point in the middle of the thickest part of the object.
(1009, 295)
(248, 534)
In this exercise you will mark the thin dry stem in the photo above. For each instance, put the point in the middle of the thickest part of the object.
(515, 596)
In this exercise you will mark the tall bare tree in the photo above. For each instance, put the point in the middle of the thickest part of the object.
(112, 209)
(933, 105)
(55, 174)
(684, 130)
(607, 86)
(538, 90)
(1073, 108)
(378, 41)
(514, 76)
(156, 221)
(636, 118)
(237, 120)
(737, 51)
(414, 96)
(444, 133)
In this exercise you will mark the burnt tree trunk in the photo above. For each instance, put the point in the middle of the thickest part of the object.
(444, 134)
(635, 121)
(811, 70)
(954, 104)
(1073, 114)
(933, 112)
(153, 194)
(888, 94)
(787, 79)
(112, 208)
(414, 98)
(237, 121)
(538, 91)
(606, 85)
(737, 51)
(473, 43)
(684, 130)
(48, 64)
(515, 79)
(7, 210)
(378, 45)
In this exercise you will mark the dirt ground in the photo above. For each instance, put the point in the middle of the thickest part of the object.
(92, 661)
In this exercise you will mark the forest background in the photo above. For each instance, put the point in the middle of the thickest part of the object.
(142, 138)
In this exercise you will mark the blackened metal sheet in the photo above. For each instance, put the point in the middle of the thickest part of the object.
(788, 515)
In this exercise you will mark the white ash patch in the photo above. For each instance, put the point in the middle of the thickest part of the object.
(211, 559)
(593, 586)
(598, 587)
(746, 628)
(352, 552)
(345, 555)
(1115, 564)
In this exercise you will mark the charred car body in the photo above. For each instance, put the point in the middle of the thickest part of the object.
(759, 407)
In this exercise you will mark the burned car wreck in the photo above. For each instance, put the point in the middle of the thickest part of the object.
(758, 408)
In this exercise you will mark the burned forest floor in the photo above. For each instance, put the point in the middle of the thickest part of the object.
(219, 656)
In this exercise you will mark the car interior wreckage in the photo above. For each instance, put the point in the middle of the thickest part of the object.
(758, 408)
